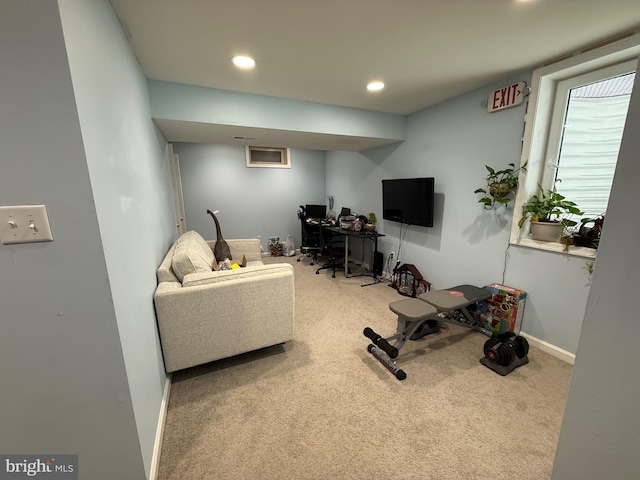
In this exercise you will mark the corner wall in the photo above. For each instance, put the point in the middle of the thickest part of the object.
(190, 103)
(453, 141)
(64, 383)
(599, 435)
(128, 166)
(252, 201)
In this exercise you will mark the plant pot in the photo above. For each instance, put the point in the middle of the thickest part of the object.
(500, 189)
(547, 231)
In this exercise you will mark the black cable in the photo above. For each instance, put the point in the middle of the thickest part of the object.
(401, 241)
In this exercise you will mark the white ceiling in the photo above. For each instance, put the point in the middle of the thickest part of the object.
(326, 51)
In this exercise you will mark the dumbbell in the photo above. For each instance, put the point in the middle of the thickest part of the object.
(502, 351)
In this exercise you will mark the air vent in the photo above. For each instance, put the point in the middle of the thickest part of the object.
(268, 157)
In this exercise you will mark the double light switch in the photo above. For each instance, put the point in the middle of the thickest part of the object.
(24, 224)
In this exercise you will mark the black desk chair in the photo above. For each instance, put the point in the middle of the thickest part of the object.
(332, 248)
(310, 237)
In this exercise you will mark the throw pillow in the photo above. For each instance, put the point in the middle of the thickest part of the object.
(188, 258)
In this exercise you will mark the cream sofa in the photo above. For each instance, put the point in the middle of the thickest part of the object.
(205, 315)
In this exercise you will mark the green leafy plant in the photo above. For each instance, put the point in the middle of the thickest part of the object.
(549, 206)
(501, 186)
(372, 217)
(590, 266)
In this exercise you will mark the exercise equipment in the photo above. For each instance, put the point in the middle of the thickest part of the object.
(412, 314)
(505, 352)
(456, 302)
(418, 317)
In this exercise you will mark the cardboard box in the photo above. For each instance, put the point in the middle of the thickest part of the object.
(502, 312)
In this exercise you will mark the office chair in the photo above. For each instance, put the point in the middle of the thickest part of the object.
(310, 236)
(332, 248)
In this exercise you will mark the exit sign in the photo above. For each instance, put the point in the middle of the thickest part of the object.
(506, 97)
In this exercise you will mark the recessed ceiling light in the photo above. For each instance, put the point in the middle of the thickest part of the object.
(242, 61)
(375, 86)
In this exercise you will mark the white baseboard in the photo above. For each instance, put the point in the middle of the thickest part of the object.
(155, 459)
(550, 349)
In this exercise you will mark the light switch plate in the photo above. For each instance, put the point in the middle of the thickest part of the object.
(24, 224)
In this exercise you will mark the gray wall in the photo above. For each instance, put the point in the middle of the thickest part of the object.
(79, 362)
(131, 183)
(599, 436)
(252, 201)
(452, 142)
(70, 331)
(190, 103)
(64, 384)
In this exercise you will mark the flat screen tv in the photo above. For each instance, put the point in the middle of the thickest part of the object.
(408, 200)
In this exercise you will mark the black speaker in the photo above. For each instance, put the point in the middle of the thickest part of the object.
(377, 263)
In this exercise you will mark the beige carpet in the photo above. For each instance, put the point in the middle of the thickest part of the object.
(321, 407)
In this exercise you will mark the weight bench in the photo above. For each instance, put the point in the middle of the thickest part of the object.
(418, 317)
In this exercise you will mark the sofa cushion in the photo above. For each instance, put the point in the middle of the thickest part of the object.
(191, 255)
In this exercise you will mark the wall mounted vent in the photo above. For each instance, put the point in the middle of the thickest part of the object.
(268, 157)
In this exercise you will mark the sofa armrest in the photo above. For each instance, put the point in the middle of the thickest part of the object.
(249, 247)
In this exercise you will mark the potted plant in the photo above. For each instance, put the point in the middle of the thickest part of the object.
(547, 211)
(371, 226)
(501, 186)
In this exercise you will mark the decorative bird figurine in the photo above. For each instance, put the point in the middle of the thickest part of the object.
(221, 249)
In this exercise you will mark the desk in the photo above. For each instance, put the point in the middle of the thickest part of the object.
(311, 234)
(363, 235)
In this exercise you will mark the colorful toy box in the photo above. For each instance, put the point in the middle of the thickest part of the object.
(502, 312)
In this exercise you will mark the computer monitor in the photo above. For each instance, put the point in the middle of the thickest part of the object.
(315, 211)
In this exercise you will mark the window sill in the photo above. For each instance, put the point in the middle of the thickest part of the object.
(555, 247)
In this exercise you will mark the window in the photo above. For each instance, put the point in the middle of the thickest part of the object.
(589, 120)
(268, 157)
(576, 117)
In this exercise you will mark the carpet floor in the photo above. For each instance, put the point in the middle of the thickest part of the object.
(321, 407)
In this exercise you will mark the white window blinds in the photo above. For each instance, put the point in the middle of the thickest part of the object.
(592, 133)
